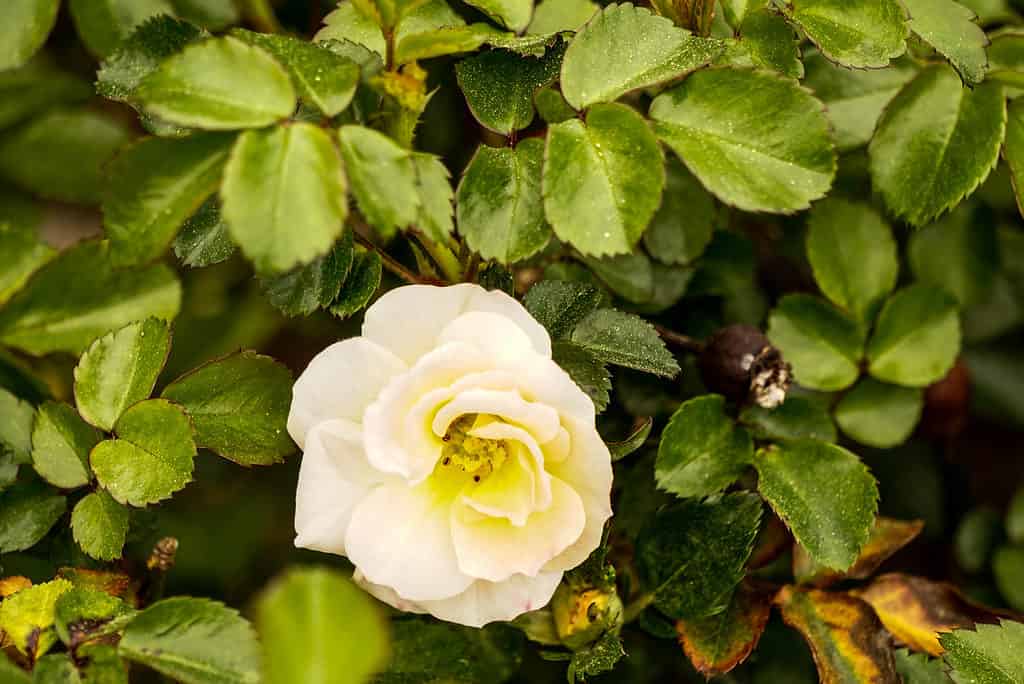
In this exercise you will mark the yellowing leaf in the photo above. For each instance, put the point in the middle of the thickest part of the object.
(717, 644)
(27, 617)
(887, 537)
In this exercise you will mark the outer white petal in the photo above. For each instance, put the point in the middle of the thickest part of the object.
(542, 380)
(494, 549)
(333, 478)
(496, 336)
(401, 537)
(340, 382)
(386, 594)
(486, 602)
(407, 320)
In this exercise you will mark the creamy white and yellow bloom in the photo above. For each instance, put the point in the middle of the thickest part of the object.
(448, 457)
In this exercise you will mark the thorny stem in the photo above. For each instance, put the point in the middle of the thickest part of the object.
(392, 264)
(680, 340)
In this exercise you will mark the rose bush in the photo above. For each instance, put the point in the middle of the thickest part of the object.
(449, 457)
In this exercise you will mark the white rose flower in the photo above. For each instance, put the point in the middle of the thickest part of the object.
(448, 457)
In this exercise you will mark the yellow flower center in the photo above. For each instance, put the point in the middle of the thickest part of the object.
(477, 456)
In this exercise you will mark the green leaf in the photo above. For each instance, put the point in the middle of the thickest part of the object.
(283, 195)
(49, 316)
(559, 306)
(635, 440)
(603, 180)
(239, 407)
(22, 253)
(433, 182)
(735, 11)
(119, 370)
(448, 40)
(499, 206)
(832, 523)
(213, 15)
(916, 338)
(315, 285)
(152, 456)
(626, 340)
(512, 14)
(361, 284)
(864, 34)
(854, 99)
(918, 668)
(104, 24)
(766, 40)
(24, 26)
(16, 418)
(220, 83)
(796, 418)
(769, 151)
(27, 512)
(433, 651)
(60, 155)
(154, 187)
(976, 536)
(204, 239)
(349, 23)
(935, 143)
(82, 610)
(692, 555)
(988, 654)
(499, 86)
(195, 641)
(383, 178)
(61, 442)
(949, 28)
(682, 226)
(957, 254)
(702, 451)
(554, 16)
(324, 79)
(27, 617)
(598, 658)
(551, 106)
(56, 669)
(1008, 571)
(823, 345)
(100, 526)
(1006, 57)
(718, 643)
(1013, 150)
(319, 627)
(1015, 518)
(878, 414)
(37, 87)
(626, 48)
(853, 255)
(631, 276)
(386, 13)
(585, 369)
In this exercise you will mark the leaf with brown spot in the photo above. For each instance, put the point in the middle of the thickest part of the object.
(887, 537)
(717, 644)
(917, 610)
(116, 584)
(847, 640)
(12, 584)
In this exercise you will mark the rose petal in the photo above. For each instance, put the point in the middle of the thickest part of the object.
(516, 435)
(539, 420)
(486, 602)
(497, 337)
(509, 492)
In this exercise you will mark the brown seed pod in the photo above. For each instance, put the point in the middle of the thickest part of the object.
(740, 363)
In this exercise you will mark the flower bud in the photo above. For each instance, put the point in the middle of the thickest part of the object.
(583, 614)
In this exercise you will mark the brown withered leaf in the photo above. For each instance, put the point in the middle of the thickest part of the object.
(887, 537)
(916, 610)
(847, 640)
(718, 643)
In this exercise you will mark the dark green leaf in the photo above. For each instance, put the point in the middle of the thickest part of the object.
(600, 657)
(585, 369)
(153, 41)
(634, 441)
(1006, 57)
(81, 610)
(832, 523)
(315, 285)
(100, 525)
(1013, 150)
(949, 28)
(11, 673)
(559, 305)
(823, 345)
(37, 87)
(865, 34)
(1015, 518)
(918, 668)
(204, 239)
(104, 24)
(238, 406)
(61, 442)
(683, 225)
(626, 340)
(361, 284)
(702, 451)
(976, 536)
(551, 106)
(27, 512)
(988, 654)
(499, 86)
(210, 14)
(57, 668)
(796, 418)
(24, 26)
(1008, 571)
(16, 418)
(383, 178)
(432, 651)
(878, 414)
(766, 40)
(957, 254)
(630, 276)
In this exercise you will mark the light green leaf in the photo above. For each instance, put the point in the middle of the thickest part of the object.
(949, 28)
(433, 183)
(195, 641)
(220, 83)
(324, 79)
(735, 11)
(935, 143)
(958, 254)
(315, 285)
(383, 178)
(448, 40)
(766, 40)
(22, 253)
(360, 285)
(120, 370)
(854, 98)
(853, 255)
(27, 617)
(878, 414)
(768, 151)
(551, 106)
(626, 340)
(283, 195)
(585, 369)
(692, 555)
(603, 180)
(916, 338)
(152, 456)
(1006, 57)
(499, 86)
(865, 34)
(822, 344)
(141, 53)
(682, 226)
(60, 155)
(1008, 571)
(100, 525)
(318, 627)
(702, 451)
(986, 654)
(49, 316)
(11, 673)
(57, 668)
(796, 418)
(104, 24)
(1013, 150)
(499, 206)
(239, 407)
(16, 418)
(27, 512)
(154, 187)
(61, 442)
(626, 48)
(831, 522)
(37, 87)
(553, 16)
(386, 13)
(559, 306)
(349, 23)
(24, 26)
(204, 239)
(512, 14)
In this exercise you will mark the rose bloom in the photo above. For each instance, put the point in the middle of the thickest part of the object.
(448, 457)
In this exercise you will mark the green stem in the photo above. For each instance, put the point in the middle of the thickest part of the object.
(444, 257)
(393, 265)
(639, 605)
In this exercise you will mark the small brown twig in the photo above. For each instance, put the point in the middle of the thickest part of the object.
(393, 265)
(680, 340)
